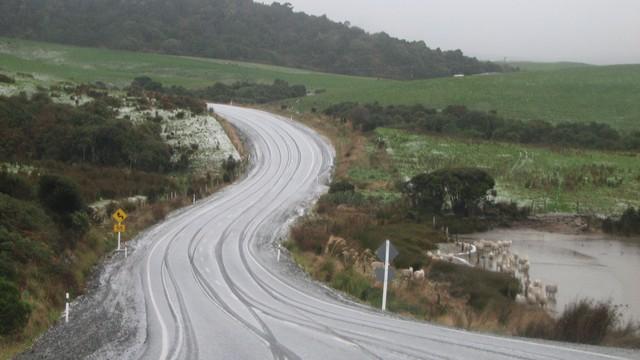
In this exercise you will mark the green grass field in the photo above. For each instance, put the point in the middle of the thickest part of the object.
(602, 182)
(546, 66)
(555, 92)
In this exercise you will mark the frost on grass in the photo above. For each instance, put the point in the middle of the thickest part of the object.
(199, 137)
(549, 180)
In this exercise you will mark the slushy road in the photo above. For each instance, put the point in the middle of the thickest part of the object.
(205, 284)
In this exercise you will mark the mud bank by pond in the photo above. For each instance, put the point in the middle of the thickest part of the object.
(597, 266)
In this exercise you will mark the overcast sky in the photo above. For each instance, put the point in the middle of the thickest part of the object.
(593, 31)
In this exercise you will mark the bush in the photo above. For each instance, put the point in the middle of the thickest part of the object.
(539, 327)
(586, 322)
(343, 198)
(465, 188)
(15, 186)
(159, 212)
(311, 235)
(23, 216)
(6, 79)
(352, 283)
(8, 268)
(60, 194)
(460, 121)
(327, 271)
(79, 225)
(14, 312)
(480, 287)
(341, 186)
(627, 224)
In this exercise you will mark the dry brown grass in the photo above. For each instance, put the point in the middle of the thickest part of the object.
(47, 297)
(233, 135)
(350, 145)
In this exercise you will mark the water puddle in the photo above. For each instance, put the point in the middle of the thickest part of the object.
(600, 267)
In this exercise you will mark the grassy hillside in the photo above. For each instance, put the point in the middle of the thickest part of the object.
(556, 180)
(233, 29)
(608, 94)
(546, 66)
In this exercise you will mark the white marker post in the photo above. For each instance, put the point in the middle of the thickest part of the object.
(386, 275)
(278, 258)
(194, 198)
(66, 308)
(118, 241)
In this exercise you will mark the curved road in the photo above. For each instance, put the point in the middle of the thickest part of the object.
(212, 289)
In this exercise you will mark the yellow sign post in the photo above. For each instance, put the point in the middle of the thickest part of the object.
(119, 228)
(119, 216)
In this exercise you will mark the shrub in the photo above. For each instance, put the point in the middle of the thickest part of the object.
(344, 197)
(159, 211)
(352, 283)
(15, 186)
(327, 271)
(628, 224)
(539, 327)
(6, 79)
(23, 216)
(480, 287)
(463, 187)
(341, 186)
(14, 312)
(586, 322)
(8, 268)
(79, 225)
(311, 235)
(60, 194)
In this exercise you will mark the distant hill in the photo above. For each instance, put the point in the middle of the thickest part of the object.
(232, 29)
(604, 94)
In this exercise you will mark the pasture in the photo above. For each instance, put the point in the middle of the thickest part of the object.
(553, 180)
(554, 92)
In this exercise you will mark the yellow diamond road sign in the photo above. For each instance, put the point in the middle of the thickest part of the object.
(119, 216)
(119, 228)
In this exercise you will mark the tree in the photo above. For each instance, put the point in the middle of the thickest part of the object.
(230, 166)
(146, 83)
(460, 188)
(238, 29)
(60, 194)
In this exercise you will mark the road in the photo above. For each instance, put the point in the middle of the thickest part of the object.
(205, 284)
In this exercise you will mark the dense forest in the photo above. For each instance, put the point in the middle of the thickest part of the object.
(232, 29)
(460, 121)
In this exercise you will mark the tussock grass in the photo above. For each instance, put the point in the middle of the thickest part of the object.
(548, 179)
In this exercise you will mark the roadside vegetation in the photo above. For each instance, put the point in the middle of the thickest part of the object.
(239, 92)
(545, 180)
(458, 121)
(627, 224)
(69, 158)
(375, 197)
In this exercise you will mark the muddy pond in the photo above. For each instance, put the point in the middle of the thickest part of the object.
(600, 267)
